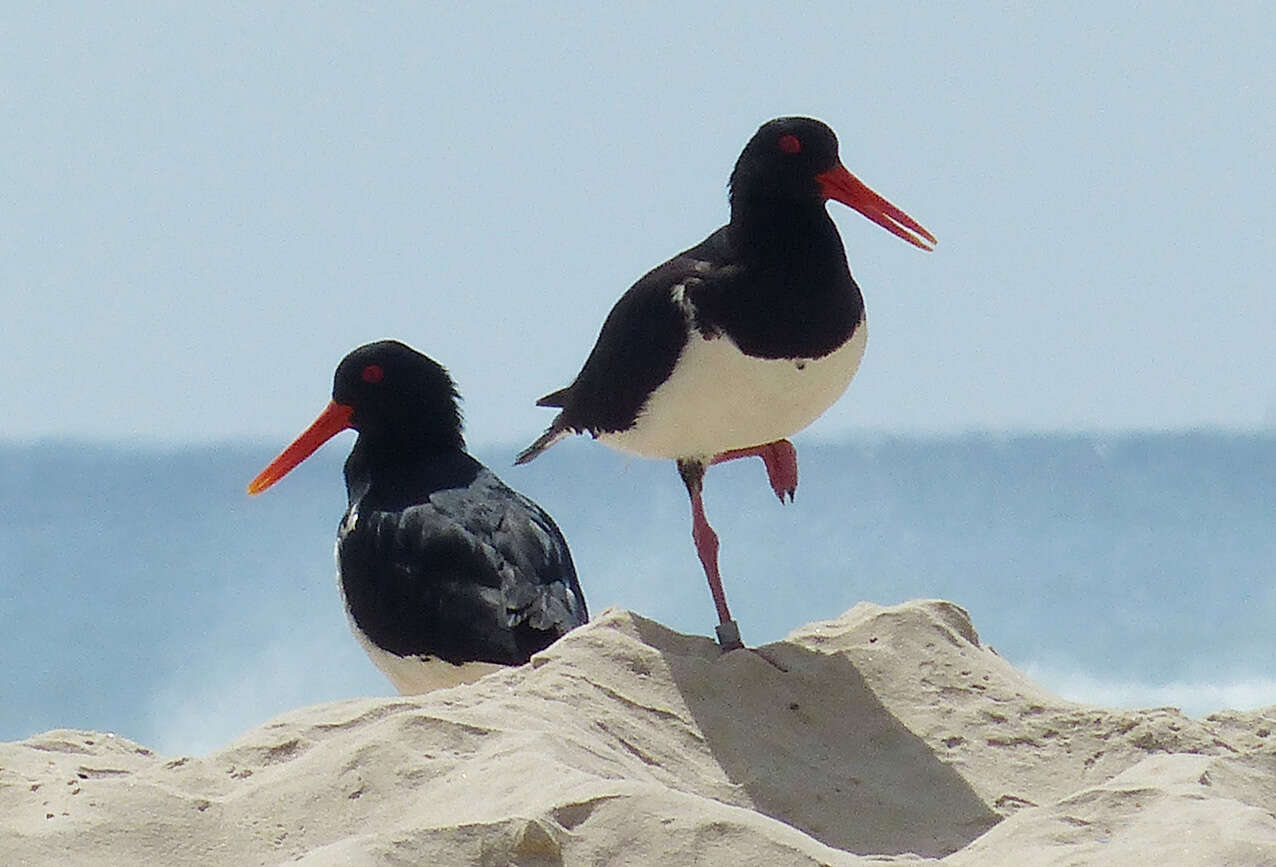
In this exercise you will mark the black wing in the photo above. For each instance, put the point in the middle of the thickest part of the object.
(636, 350)
(476, 573)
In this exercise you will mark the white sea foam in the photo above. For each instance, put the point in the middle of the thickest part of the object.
(1195, 698)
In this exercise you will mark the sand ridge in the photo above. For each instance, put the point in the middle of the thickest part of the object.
(887, 734)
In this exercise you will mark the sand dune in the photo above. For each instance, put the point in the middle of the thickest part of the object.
(888, 734)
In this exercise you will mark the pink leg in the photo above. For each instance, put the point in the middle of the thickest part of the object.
(780, 459)
(707, 549)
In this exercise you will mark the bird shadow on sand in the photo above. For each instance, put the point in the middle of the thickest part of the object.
(810, 744)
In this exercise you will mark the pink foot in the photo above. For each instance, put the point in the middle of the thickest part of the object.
(780, 459)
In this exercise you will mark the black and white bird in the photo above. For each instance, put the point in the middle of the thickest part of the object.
(741, 341)
(445, 572)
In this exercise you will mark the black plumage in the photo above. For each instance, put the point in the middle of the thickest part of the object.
(468, 570)
(438, 560)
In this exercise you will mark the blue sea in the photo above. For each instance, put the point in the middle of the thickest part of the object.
(143, 592)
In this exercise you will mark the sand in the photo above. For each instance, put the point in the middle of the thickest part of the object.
(890, 734)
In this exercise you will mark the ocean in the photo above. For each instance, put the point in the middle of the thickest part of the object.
(143, 592)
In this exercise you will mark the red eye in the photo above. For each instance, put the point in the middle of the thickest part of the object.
(790, 144)
(373, 373)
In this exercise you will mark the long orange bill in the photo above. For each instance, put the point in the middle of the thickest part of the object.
(837, 183)
(333, 420)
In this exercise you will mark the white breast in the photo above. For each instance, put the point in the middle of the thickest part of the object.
(414, 675)
(718, 398)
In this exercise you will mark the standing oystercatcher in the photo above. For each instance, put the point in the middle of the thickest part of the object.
(741, 341)
(446, 573)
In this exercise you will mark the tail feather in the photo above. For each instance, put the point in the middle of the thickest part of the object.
(552, 435)
(556, 398)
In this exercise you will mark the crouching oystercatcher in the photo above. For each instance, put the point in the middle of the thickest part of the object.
(446, 573)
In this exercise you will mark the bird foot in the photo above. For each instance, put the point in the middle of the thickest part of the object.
(729, 640)
(780, 460)
(729, 636)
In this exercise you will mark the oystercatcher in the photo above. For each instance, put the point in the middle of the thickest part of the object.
(741, 341)
(446, 573)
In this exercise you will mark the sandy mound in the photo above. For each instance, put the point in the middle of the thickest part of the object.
(887, 734)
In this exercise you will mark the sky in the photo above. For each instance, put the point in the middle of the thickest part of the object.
(205, 206)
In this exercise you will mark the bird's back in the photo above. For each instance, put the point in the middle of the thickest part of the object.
(720, 348)
(468, 571)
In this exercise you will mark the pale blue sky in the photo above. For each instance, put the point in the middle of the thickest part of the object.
(205, 206)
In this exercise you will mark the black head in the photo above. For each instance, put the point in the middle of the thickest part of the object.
(784, 159)
(795, 160)
(400, 400)
(396, 391)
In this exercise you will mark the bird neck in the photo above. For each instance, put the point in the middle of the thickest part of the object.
(405, 468)
(783, 233)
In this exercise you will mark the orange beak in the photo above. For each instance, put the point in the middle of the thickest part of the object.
(333, 420)
(837, 183)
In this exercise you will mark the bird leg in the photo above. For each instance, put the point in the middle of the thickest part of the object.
(692, 472)
(780, 459)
